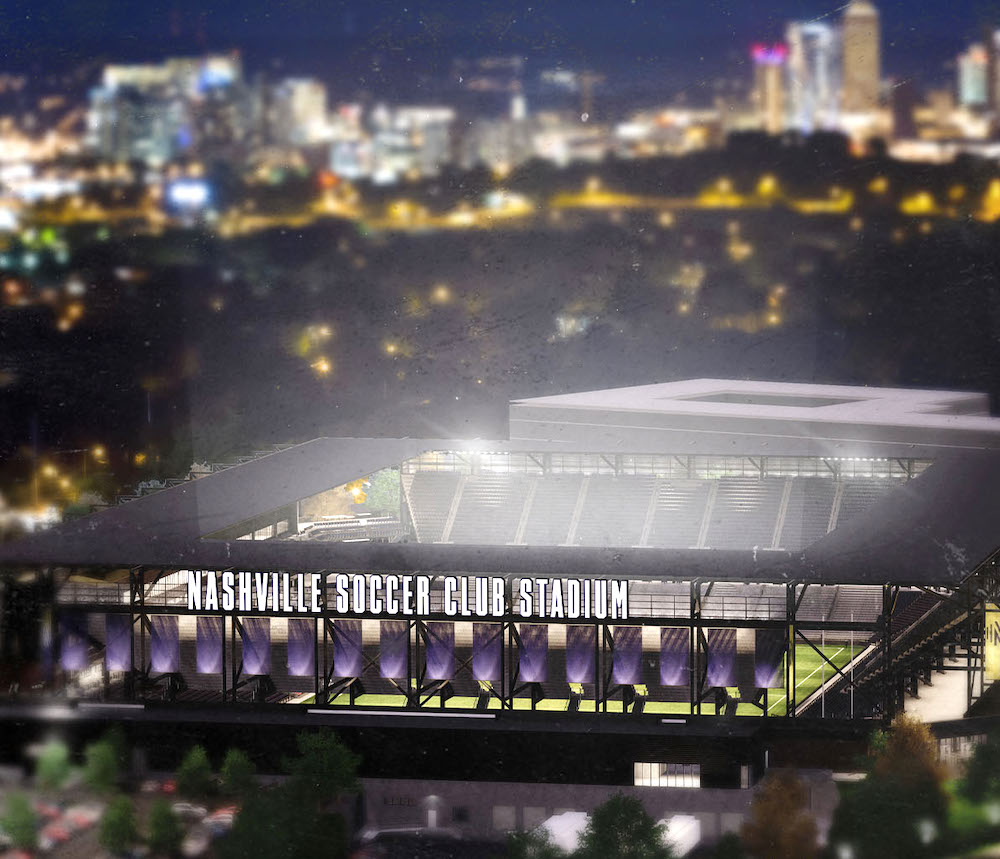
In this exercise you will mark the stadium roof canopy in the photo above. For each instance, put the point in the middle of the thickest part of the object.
(933, 530)
(716, 416)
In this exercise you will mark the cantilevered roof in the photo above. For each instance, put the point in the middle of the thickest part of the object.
(169, 522)
(933, 530)
(717, 416)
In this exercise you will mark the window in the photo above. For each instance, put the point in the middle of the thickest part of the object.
(667, 775)
(504, 818)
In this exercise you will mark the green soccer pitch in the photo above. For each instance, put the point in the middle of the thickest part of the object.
(810, 673)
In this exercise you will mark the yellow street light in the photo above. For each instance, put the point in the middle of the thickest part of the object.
(322, 366)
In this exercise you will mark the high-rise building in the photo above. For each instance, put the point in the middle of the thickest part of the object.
(993, 69)
(862, 57)
(973, 76)
(769, 86)
(154, 112)
(813, 75)
(300, 112)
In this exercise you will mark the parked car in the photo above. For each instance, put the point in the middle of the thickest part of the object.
(189, 811)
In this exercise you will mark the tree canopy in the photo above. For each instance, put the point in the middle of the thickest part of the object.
(325, 767)
(118, 830)
(780, 825)
(194, 775)
(53, 765)
(100, 767)
(165, 831)
(20, 822)
(900, 809)
(237, 773)
(621, 829)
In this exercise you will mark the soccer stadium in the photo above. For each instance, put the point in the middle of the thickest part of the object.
(804, 557)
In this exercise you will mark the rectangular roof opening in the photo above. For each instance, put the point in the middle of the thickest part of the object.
(748, 398)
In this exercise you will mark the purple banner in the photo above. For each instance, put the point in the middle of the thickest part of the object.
(486, 638)
(46, 644)
(721, 657)
(118, 642)
(534, 652)
(675, 654)
(580, 644)
(209, 645)
(301, 647)
(393, 636)
(347, 657)
(164, 644)
(73, 644)
(256, 645)
(769, 648)
(626, 662)
(440, 651)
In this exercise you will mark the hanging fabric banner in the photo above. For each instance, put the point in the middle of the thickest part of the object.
(301, 647)
(440, 651)
(117, 642)
(256, 645)
(768, 652)
(626, 663)
(675, 656)
(580, 645)
(208, 636)
(721, 657)
(534, 652)
(486, 638)
(164, 644)
(73, 644)
(347, 656)
(393, 638)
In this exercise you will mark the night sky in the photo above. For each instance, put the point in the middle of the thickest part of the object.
(381, 46)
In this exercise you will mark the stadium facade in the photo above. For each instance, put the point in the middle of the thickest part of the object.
(794, 558)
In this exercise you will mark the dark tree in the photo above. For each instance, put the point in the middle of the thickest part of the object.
(621, 829)
(238, 773)
(780, 824)
(194, 775)
(118, 830)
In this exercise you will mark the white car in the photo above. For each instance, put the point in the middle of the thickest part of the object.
(188, 811)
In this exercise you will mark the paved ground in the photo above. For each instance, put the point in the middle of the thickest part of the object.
(943, 700)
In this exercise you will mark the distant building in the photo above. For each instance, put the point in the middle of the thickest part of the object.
(299, 112)
(993, 69)
(862, 60)
(769, 86)
(813, 75)
(154, 112)
(904, 101)
(973, 76)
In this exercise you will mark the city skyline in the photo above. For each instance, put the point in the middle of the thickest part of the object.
(387, 43)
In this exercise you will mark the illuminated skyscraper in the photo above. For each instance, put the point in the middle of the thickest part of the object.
(973, 76)
(300, 112)
(993, 69)
(813, 74)
(862, 59)
(769, 86)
